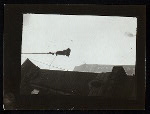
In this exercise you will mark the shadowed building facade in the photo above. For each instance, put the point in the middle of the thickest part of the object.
(115, 84)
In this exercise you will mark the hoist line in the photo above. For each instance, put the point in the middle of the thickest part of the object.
(52, 62)
(36, 60)
(45, 63)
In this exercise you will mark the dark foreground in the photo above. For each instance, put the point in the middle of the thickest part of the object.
(105, 85)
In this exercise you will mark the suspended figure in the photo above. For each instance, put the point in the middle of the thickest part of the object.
(64, 52)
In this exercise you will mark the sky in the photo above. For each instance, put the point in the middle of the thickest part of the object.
(109, 40)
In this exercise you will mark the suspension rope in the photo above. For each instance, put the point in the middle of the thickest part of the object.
(52, 62)
(45, 63)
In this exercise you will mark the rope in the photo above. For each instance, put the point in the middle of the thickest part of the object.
(36, 60)
(52, 62)
(45, 63)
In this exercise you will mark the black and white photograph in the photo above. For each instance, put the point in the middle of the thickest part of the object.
(86, 57)
(57, 49)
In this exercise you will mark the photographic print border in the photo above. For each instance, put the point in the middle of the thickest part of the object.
(13, 20)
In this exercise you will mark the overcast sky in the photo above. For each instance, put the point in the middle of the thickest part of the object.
(109, 40)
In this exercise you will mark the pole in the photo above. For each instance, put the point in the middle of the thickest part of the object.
(36, 53)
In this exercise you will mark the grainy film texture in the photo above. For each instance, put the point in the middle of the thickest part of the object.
(83, 55)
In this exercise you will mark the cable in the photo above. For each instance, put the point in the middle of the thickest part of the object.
(46, 63)
(52, 62)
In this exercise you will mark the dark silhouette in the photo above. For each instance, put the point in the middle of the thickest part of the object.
(64, 52)
(119, 70)
(51, 53)
(115, 85)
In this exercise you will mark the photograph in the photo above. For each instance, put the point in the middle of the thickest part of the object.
(74, 57)
(83, 55)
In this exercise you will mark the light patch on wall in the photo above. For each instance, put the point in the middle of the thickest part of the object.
(35, 91)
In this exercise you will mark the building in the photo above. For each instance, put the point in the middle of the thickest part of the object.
(129, 69)
(53, 82)
(41, 81)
